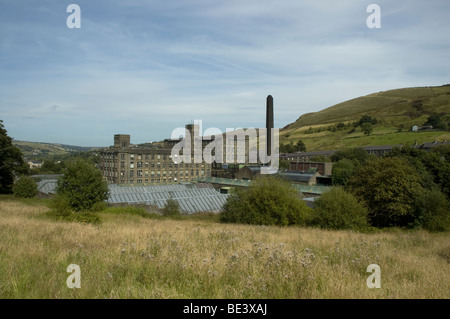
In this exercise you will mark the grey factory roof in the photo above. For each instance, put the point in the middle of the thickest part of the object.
(47, 186)
(190, 198)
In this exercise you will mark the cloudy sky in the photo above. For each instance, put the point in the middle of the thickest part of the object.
(146, 68)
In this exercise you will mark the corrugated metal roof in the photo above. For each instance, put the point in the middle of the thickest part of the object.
(47, 186)
(190, 198)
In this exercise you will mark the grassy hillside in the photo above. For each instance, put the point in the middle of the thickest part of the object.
(37, 149)
(396, 110)
(128, 256)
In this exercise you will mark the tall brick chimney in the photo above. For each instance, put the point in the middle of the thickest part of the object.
(269, 124)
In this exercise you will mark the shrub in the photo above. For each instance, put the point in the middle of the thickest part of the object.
(171, 208)
(433, 211)
(61, 210)
(60, 205)
(341, 172)
(83, 185)
(388, 186)
(25, 187)
(267, 201)
(338, 209)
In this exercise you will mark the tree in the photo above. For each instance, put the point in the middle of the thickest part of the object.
(367, 128)
(268, 200)
(11, 161)
(171, 208)
(357, 154)
(291, 148)
(338, 209)
(389, 187)
(301, 147)
(367, 119)
(25, 187)
(341, 172)
(433, 167)
(432, 211)
(82, 184)
(436, 121)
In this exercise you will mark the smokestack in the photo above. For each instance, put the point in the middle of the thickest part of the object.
(269, 123)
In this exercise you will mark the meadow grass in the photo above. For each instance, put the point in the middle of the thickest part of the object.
(131, 256)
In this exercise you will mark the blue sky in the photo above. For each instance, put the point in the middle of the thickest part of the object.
(146, 68)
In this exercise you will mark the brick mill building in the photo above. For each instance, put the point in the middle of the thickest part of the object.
(125, 163)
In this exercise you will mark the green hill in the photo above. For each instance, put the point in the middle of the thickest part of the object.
(37, 149)
(395, 110)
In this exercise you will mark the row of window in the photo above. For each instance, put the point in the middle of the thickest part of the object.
(155, 180)
(164, 173)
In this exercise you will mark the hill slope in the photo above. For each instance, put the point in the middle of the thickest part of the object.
(396, 110)
(33, 149)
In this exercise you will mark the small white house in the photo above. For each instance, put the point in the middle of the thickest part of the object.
(415, 128)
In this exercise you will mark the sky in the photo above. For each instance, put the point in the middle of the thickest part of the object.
(146, 68)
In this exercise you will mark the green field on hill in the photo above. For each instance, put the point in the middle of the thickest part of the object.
(396, 112)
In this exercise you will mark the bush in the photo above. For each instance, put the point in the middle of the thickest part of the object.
(338, 209)
(25, 187)
(341, 172)
(171, 208)
(267, 201)
(60, 205)
(433, 211)
(388, 186)
(83, 185)
(61, 210)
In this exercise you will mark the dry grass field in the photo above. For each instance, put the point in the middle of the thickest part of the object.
(128, 256)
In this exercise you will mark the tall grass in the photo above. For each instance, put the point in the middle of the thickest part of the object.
(130, 256)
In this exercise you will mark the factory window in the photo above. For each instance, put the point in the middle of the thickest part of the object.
(159, 156)
(146, 180)
(146, 173)
(153, 156)
(122, 164)
(139, 172)
(132, 165)
(146, 164)
(131, 173)
(122, 156)
(146, 156)
(132, 156)
(139, 157)
(158, 173)
(139, 164)
(139, 181)
(153, 173)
